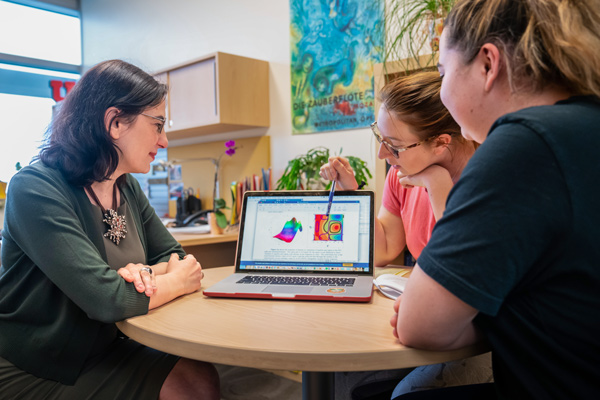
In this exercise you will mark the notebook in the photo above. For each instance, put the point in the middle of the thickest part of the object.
(289, 248)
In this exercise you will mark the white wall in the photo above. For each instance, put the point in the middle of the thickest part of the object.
(157, 34)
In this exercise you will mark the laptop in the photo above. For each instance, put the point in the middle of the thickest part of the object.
(289, 248)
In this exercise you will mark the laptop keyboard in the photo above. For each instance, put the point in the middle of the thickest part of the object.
(296, 280)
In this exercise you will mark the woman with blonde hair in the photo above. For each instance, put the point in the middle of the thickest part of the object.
(514, 259)
(426, 153)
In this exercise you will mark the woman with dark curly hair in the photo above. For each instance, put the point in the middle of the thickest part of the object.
(82, 249)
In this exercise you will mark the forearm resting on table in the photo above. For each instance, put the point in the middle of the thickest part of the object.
(437, 339)
(430, 317)
(160, 268)
(168, 287)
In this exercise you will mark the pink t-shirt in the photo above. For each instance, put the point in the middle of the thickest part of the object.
(413, 206)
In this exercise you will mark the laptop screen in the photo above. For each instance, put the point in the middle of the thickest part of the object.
(291, 232)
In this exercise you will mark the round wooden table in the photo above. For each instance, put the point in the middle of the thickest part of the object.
(315, 337)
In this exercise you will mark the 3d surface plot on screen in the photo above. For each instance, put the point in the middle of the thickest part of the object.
(288, 233)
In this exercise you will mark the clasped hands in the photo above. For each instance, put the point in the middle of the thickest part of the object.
(144, 279)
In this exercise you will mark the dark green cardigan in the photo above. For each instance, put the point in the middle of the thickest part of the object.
(56, 288)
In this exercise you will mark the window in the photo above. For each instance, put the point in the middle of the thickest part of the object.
(39, 34)
(23, 130)
(39, 42)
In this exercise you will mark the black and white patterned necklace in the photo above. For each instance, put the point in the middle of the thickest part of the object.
(116, 222)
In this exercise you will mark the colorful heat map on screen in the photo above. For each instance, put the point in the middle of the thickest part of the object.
(288, 233)
(329, 228)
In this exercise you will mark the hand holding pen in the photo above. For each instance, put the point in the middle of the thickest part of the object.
(338, 170)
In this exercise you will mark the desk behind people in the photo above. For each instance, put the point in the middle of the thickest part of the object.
(210, 250)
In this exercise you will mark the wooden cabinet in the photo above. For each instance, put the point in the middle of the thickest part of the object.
(217, 93)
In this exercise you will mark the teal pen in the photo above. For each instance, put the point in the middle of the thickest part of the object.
(330, 197)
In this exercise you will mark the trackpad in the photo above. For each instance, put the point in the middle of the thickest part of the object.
(287, 289)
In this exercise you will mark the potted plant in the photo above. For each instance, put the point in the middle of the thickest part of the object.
(411, 25)
(216, 218)
(302, 172)
(221, 218)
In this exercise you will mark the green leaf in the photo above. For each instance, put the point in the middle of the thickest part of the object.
(221, 219)
(219, 204)
(310, 165)
(406, 27)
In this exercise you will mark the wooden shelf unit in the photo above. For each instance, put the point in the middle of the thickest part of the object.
(216, 93)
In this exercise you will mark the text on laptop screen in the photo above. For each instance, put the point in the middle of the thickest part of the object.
(295, 233)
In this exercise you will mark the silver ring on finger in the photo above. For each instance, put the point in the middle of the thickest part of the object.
(148, 270)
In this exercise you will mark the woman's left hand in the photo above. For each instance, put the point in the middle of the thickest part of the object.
(138, 274)
(426, 178)
(438, 182)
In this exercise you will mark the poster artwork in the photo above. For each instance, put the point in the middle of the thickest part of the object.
(334, 45)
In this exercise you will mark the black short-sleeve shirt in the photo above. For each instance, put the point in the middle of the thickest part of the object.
(519, 242)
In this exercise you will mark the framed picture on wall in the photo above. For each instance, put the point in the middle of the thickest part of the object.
(334, 45)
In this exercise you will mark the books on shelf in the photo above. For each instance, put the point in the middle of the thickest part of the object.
(254, 182)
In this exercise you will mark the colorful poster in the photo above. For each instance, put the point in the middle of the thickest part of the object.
(334, 45)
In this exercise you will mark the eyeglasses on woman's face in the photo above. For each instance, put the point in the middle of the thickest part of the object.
(159, 126)
(394, 150)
